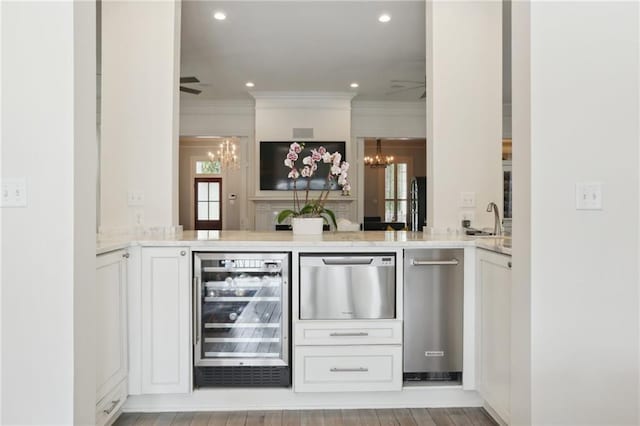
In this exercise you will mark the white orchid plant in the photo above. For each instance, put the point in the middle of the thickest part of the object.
(337, 172)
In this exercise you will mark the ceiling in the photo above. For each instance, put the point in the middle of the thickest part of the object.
(303, 46)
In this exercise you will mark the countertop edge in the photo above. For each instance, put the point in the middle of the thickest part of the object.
(287, 242)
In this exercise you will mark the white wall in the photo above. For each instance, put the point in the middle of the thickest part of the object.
(140, 110)
(464, 109)
(583, 122)
(48, 137)
(216, 118)
(388, 119)
(521, 229)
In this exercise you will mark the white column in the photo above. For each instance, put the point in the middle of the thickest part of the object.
(578, 64)
(464, 109)
(140, 110)
(48, 246)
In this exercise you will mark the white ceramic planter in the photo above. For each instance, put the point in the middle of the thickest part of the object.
(307, 225)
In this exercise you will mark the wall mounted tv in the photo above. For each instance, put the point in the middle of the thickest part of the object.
(273, 172)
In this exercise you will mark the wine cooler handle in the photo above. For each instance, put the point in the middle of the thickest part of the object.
(196, 310)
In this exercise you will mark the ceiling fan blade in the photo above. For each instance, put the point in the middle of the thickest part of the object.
(189, 90)
(407, 81)
(402, 90)
(189, 80)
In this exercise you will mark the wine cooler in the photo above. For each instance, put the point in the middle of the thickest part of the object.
(241, 319)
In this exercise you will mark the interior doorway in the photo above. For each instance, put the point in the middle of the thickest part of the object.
(387, 187)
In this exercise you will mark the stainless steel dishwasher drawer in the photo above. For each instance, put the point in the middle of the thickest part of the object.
(347, 286)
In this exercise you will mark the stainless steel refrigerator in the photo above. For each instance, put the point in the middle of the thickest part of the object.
(418, 206)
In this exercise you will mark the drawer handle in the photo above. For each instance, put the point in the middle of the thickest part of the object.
(358, 334)
(126, 255)
(114, 404)
(418, 262)
(347, 261)
(349, 370)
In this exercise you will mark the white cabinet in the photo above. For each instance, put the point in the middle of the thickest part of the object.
(493, 282)
(348, 368)
(165, 320)
(348, 356)
(111, 334)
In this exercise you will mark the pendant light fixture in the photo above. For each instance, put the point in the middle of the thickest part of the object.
(378, 161)
(226, 156)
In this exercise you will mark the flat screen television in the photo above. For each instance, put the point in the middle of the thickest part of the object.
(273, 172)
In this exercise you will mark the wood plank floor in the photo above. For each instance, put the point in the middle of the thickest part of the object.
(389, 417)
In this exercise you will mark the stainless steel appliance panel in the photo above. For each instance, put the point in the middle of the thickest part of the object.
(433, 309)
(347, 286)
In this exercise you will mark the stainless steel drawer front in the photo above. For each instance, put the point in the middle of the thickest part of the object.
(347, 286)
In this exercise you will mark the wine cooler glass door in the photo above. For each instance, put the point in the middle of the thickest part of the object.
(241, 309)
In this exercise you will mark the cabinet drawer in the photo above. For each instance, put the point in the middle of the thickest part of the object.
(347, 368)
(109, 406)
(349, 333)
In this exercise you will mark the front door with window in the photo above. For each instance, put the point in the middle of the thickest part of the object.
(208, 203)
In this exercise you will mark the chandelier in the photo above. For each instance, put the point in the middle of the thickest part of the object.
(226, 156)
(378, 161)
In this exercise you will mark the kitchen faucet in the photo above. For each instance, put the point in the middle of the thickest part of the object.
(497, 228)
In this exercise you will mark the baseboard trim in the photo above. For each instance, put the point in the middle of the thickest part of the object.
(250, 399)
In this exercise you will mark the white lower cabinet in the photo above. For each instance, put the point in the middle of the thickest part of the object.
(348, 356)
(352, 332)
(111, 334)
(348, 368)
(493, 276)
(165, 320)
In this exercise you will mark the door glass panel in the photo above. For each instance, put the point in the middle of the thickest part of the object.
(203, 211)
(389, 211)
(402, 181)
(214, 211)
(389, 181)
(241, 306)
(402, 210)
(203, 191)
(214, 191)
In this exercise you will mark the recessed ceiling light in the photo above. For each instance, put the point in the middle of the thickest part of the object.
(385, 17)
(249, 84)
(220, 16)
(354, 85)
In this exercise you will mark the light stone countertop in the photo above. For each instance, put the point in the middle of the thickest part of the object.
(285, 240)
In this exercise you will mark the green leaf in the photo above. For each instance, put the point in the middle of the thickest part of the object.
(285, 214)
(331, 215)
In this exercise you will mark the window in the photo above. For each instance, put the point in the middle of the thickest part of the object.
(396, 193)
(208, 202)
(208, 168)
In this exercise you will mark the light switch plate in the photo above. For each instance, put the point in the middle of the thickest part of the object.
(467, 199)
(135, 198)
(589, 196)
(13, 192)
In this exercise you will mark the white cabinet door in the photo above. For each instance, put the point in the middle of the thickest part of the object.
(165, 318)
(494, 295)
(111, 324)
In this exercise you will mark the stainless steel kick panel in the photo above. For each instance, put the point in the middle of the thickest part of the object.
(347, 286)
